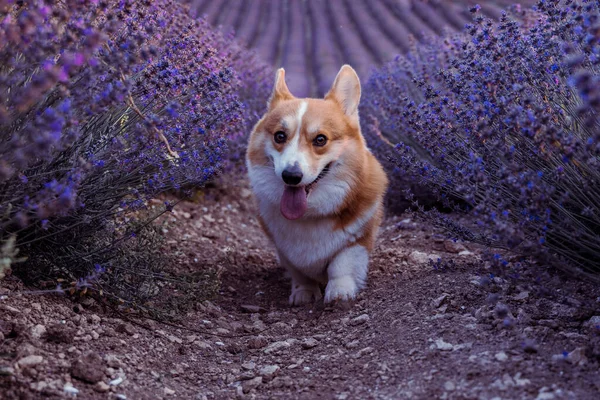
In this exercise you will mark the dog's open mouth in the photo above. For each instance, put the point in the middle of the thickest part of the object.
(294, 201)
(323, 172)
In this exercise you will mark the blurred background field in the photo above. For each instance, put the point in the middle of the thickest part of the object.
(311, 39)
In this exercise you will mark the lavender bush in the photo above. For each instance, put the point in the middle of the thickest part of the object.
(104, 105)
(502, 124)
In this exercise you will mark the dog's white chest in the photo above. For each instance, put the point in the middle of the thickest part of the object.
(307, 244)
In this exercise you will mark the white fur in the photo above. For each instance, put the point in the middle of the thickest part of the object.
(291, 154)
(311, 248)
(347, 273)
(307, 246)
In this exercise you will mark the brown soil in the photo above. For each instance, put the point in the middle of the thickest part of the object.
(417, 332)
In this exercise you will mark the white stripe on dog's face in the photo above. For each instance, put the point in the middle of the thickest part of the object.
(292, 153)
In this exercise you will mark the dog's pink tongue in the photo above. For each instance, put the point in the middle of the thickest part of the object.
(293, 202)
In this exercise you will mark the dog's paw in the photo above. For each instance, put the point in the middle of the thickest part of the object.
(343, 288)
(304, 294)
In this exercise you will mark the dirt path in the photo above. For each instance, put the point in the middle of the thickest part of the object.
(416, 332)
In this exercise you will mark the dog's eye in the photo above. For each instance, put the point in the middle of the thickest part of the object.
(280, 137)
(320, 140)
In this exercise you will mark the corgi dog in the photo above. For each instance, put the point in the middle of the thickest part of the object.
(318, 187)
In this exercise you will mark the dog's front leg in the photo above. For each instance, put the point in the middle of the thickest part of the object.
(304, 289)
(347, 273)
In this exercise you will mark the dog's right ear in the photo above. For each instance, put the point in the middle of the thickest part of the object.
(280, 90)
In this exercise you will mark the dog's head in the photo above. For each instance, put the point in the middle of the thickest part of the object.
(304, 151)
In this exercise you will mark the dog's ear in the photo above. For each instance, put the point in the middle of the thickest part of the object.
(346, 91)
(280, 89)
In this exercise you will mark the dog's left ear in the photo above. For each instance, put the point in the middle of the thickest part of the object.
(346, 91)
(280, 89)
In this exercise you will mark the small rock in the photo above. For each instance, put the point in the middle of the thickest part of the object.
(234, 348)
(521, 296)
(529, 346)
(116, 381)
(594, 323)
(449, 386)
(501, 356)
(257, 342)
(276, 347)
(309, 343)
(245, 193)
(444, 346)
(361, 319)
(7, 371)
(246, 375)
(577, 356)
(101, 387)
(38, 331)
(364, 351)
(113, 361)
(30, 361)
(268, 372)
(353, 344)
(70, 389)
(249, 366)
(440, 300)
(203, 345)
(282, 381)
(247, 386)
(168, 392)
(174, 339)
(10, 309)
(248, 308)
(125, 328)
(453, 247)
(419, 257)
(89, 368)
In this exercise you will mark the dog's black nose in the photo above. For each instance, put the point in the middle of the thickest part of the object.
(292, 175)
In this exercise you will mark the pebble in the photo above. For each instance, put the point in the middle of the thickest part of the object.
(7, 371)
(529, 346)
(449, 386)
(202, 344)
(246, 375)
(245, 193)
(249, 366)
(454, 247)
(276, 347)
(501, 356)
(268, 372)
(419, 257)
(444, 346)
(168, 392)
(521, 296)
(101, 387)
(30, 361)
(577, 356)
(175, 339)
(361, 319)
(257, 342)
(88, 368)
(309, 343)
(116, 382)
(38, 331)
(252, 384)
(113, 361)
(68, 388)
(594, 322)
(440, 300)
(252, 309)
(10, 309)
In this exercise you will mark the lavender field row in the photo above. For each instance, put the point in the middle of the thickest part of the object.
(312, 38)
